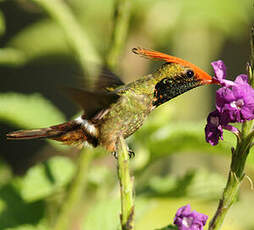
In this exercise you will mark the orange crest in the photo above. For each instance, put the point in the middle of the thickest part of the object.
(201, 74)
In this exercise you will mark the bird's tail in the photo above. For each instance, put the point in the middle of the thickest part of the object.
(33, 134)
(70, 133)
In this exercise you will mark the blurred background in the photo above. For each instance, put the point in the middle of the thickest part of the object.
(173, 166)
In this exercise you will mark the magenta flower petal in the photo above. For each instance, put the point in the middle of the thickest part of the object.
(219, 70)
(236, 104)
(220, 73)
(223, 96)
(241, 79)
(187, 220)
(231, 129)
(213, 129)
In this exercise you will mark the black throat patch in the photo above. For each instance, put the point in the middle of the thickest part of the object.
(168, 88)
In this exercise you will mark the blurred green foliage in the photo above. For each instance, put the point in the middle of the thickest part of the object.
(28, 111)
(191, 29)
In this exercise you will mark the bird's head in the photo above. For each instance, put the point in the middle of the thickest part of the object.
(174, 77)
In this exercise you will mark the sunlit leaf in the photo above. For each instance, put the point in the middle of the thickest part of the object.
(28, 111)
(54, 44)
(15, 212)
(195, 183)
(179, 137)
(29, 227)
(162, 212)
(40, 181)
(104, 215)
(169, 227)
(12, 57)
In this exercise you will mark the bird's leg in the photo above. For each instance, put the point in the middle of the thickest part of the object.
(131, 153)
(115, 155)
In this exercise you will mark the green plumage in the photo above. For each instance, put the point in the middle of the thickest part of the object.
(113, 109)
(136, 101)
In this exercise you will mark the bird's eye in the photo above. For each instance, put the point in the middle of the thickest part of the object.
(165, 81)
(189, 73)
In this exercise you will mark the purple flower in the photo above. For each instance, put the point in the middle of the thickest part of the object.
(234, 103)
(241, 79)
(213, 129)
(187, 220)
(220, 73)
(219, 70)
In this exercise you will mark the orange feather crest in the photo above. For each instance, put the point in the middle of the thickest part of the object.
(201, 74)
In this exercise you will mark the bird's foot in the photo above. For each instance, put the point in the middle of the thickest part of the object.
(115, 155)
(131, 154)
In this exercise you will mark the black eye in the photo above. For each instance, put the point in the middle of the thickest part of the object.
(165, 81)
(189, 73)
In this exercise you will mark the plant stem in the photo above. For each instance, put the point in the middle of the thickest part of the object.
(126, 186)
(235, 177)
(120, 25)
(75, 35)
(251, 67)
(75, 193)
(239, 156)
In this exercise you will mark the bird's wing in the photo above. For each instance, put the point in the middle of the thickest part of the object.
(92, 102)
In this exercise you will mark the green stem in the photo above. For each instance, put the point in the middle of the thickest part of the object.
(126, 186)
(75, 193)
(76, 36)
(120, 25)
(239, 156)
(119, 33)
(251, 67)
(235, 177)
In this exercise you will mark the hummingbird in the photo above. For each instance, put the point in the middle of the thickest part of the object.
(113, 108)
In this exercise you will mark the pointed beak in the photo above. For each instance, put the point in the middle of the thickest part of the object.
(205, 78)
(215, 81)
(210, 81)
(206, 82)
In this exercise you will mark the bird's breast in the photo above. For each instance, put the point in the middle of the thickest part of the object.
(126, 116)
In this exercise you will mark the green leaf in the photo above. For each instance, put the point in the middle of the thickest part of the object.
(15, 212)
(12, 57)
(29, 227)
(103, 215)
(199, 184)
(54, 44)
(161, 211)
(231, 16)
(43, 180)
(28, 111)
(5, 173)
(236, 15)
(180, 137)
(169, 227)
(162, 140)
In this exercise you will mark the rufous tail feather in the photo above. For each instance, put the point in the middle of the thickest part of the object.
(75, 132)
(34, 134)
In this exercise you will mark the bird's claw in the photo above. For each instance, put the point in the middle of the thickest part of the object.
(115, 155)
(131, 154)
